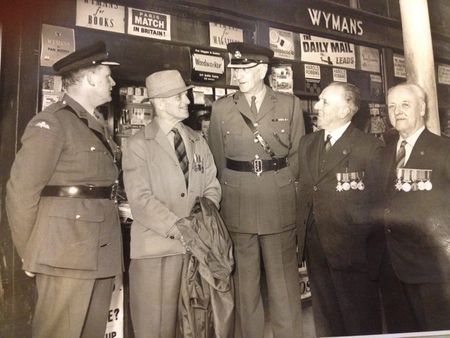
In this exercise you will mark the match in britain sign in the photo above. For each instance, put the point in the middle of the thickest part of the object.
(328, 52)
(148, 24)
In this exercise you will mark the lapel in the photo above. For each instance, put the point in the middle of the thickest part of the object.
(338, 152)
(420, 149)
(153, 131)
(314, 148)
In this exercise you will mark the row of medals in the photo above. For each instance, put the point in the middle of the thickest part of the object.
(347, 181)
(413, 179)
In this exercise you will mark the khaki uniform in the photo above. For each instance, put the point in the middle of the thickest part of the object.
(260, 211)
(63, 236)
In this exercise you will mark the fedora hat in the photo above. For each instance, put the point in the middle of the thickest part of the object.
(165, 83)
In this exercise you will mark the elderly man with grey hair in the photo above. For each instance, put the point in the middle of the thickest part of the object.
(337, 185)
(415, 269)
(166, 167)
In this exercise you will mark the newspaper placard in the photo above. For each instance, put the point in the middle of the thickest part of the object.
(57, 42)
(444, 74)
(399, 66)
(102, 15)
(221, 35)
(281, 78)
(369, 59)
(312, 71)
(148, 24)
(339, 75)
(282, 43)
(327, 52)
(207, 65)
(114, 326)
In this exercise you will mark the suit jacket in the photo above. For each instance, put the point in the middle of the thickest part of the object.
(341, 217)
(417, 223)
(156, 188)
(252, 204)
(71, 237)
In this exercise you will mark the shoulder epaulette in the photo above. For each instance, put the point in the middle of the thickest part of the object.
(54, 107)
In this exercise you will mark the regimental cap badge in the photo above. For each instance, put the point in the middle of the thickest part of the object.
(237, 54)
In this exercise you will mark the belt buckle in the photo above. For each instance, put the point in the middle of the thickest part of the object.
(257, 166)
(114, 189)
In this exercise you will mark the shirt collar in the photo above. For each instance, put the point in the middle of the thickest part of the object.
(412, 139)
(167, 126)
(259, 96)
(336, 133)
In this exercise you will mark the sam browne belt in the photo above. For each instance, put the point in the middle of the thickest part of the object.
(81, 191)
(258, 166)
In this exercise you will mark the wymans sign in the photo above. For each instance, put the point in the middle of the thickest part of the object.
(335, 22)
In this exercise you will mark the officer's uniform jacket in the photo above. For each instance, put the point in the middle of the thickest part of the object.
(341, 217)
(156, 187)
(64, 236)
(257, 204)
(417, 223)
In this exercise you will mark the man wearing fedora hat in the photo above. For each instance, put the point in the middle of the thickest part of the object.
(60, 202)
(166, 166)
(254, 136)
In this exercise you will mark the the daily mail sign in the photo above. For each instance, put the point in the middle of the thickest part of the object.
(148, 24)
(335, 53)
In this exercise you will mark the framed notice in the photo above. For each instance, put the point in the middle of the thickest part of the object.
(148, 24)
(282, 43)
(444, 74)
(221, 35)
(57, 42)
(369, 59)
(103, 15)
(207, 65)
(327, 52)
(399, 66)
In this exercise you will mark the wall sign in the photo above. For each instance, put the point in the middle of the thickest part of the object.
(328, 52)
(335, 22)
(444, 74)
(57, 42)
(282, 43)
(369, 59)
(148, 24)
(312, 71)
(221, 35)
(399, 66)
(102, 15)
(207, 65)
(339, 75)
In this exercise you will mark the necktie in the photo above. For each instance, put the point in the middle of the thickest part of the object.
(327, 144)
(253, 106)
(180, 151)
(400, 158)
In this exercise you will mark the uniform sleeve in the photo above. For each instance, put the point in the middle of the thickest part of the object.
(144, 204)
(297, 131)
(215, 139)
(34, 165)
(212, 186)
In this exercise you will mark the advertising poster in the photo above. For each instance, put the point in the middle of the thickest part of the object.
(339, 75)
(281, 78)
(148, 24)
(399, 66)
(57, 42)
(327, 52)
(103, 15)
(444, 74)
(369, 59)
(114, 326)
(282, 43)
(220, 35)
(207, 65)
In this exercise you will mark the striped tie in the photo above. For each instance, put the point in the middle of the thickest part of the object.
(180, 150)
(400, 158)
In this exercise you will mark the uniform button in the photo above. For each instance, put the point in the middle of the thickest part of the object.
(182, 194)
(282, 130)
(77, 216)
(388, 230)
(64, 102)
(228, 132)
(255, 124)
(92, 148)
(315, 188)
(172, 237)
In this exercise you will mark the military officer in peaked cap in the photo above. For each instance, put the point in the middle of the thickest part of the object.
(254, 135)
(60, 202)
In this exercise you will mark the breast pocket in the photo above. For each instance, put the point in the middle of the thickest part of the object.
(95, 160)
(73, 235)
(234, 138)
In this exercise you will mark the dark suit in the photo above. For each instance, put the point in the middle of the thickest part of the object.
(259, 211)
(417, 232)
(72, 244)
(334, 230)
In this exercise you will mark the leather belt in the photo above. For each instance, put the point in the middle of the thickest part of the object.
(81, 191)
(257, 166)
